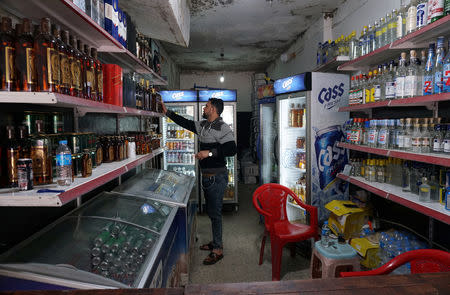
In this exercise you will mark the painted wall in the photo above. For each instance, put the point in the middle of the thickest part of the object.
(351, 15)
(241, 81)
(169, 69)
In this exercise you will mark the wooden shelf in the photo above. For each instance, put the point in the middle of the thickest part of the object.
(395, 194)
(333, 64)
(100, 175)
(435, 159)
(402, 102)
(81, 105)
(71, 17)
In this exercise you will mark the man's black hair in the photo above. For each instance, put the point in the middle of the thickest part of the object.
(218, 104)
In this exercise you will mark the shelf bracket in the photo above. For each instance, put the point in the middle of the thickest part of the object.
(80, 112)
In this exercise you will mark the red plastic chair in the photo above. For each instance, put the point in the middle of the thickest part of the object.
(270, 201)
(422, 261)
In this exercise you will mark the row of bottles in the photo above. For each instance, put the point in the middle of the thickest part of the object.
(140, 94)
(299, 188)
(393, 26)
(177, 132)
(184, 170)
(181, 158)
(425, 76)
(429, 182)
(147, 54)
(49, 60)
(180, 145)
(419, 135)
(297, 115)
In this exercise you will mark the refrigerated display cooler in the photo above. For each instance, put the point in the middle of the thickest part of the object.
(309, 128)
(180, 144)
(268, 141)
(114, 240)
(229, 117)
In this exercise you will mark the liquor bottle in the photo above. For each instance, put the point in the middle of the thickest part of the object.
(376, 85)
(446, 148)
(400, 77)
(393, 26)
(411, 21)
(90, 75)
(428, 75)
(383, 135)
(80, 47)
(98, 75)
(25, 59)
(392, 133)
(446, 70)
(389, 82)
(362, 41)
(7, 54)
(75, 63)
(438, 139)
(41, 156)
(400, 134)
(372, 39)
(437, 10)
(387, 29)
(424, 191)
(46, 58)
(373, 134)
(422, 13)
(439, 66)
(24, 143)
(416, 137)
(12, 155)
(401, 22)
(407, 136)
(425, 137)
(411, 79)
(406, 177)
(64, 73)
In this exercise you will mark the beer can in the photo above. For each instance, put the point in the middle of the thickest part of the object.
(25, 173)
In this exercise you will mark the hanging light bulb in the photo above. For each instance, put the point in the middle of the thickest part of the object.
(222, 78)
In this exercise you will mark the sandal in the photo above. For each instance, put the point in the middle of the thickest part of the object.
(212, 258)
(207, 247)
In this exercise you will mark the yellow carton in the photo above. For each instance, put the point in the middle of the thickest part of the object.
(346, 218)
(367, 250)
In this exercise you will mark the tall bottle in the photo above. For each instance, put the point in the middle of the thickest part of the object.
(387, 28)
(401, 77)
(89, 68)
(362, 40)
(412, 76)
(41, 156)
(426, 137)
(80, 47)
(383, 135)
(24, 143)
(411, 21)
(446, 71)
(401, 22)
(422, 13)
(64, 70)
(393, 26)
(438, 139)
(12, 155)
(319, 54)
(353, 44)
(7, 52)
(437, 11)
(98, 75)
(400, 134)
(428, 75)
(47, 58)
(25, 57)
(376, 85)
(439, 67)
(406, 173)
(75, 61)
(407, 135)
(389, 82)
(416, 138)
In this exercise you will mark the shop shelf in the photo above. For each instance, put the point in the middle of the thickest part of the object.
(403, 102)
(435, 159)
(395, 194)
(374, 58)
(70, 16)
(100, 175)
(61, 100)
(333, 64)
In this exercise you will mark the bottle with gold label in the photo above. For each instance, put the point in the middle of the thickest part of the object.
(7, 54)
(80, 47)
(11, 156)
(25, 58)
(125, 142)
(99, 152)
(62, 39)
(75, 64)
(47, 59)
(41, 156)
(90, 75)
(24, 143)
(98, 75)
(86, 164)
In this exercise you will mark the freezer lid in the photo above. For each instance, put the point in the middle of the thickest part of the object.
(62, 275)
(167, 186)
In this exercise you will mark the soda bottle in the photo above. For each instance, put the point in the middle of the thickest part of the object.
(63, 164)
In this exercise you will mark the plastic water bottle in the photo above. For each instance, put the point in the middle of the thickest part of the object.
(325, 239)
(63, 164)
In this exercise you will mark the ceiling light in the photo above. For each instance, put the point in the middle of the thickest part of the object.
(222, 78)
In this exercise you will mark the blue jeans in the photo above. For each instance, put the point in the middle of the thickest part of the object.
(214, 188)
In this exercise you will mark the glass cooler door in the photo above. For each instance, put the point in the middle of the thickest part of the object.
(268, 129)
(111, 241)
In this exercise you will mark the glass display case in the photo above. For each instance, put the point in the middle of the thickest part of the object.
(112, 241)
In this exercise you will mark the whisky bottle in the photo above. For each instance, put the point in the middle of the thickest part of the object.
(25, 58)
(145, 94)
(80, 47)
(90, 74)
(7, 54)
(41, 156)
(75, 62)
(99, 153)
(98, 75)
(47, 59)
(24, 143)
(86, 163)
(64, 70)
(12, 155)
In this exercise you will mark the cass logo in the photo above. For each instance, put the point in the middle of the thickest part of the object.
(217, 94)
(329, 97)
(178, 95)
(288, 83)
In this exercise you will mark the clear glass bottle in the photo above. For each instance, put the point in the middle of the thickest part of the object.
(400, 134)
(372, 171)
(376, 85)
(447, 140)
(412, 76)
(383, 134)
(428, 75)
(406, 186)
(424, 191)
(373, 134)
(389, 81)
(381, 171)
(401, 22)
(434, 189)
(387, 28)
(446, 71)
(400, 77)
(353, 46)
(393, 26)
(365, 133)
(416, 137)
(411, 22)
(426, 137)
(382, 33)
(392, 133)
(378, 33)
(422, 13)
(439, 66)
(407, 136)
(362, 41)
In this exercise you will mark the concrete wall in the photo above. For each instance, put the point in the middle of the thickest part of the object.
(241, 81)
(351, 15)
(169, 69)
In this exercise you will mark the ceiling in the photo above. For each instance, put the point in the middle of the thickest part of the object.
(249, 33)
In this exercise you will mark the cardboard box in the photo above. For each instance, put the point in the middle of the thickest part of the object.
(346, 218)
(368, 251)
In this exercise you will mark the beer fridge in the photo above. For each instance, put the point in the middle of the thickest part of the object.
(180, 144)
(229, 117)
(309, 129)
(268, 139)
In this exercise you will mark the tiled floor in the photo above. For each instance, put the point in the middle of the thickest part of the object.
(242, 233)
